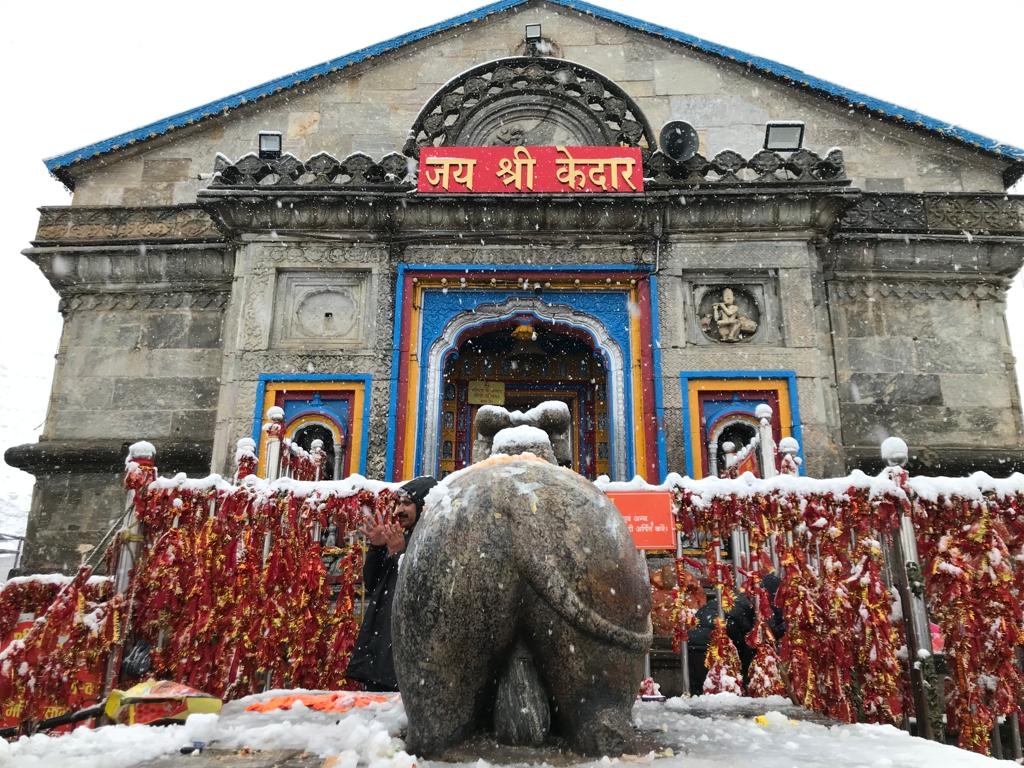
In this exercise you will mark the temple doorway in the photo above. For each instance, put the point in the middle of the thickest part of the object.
(518, 364)
(305, 436)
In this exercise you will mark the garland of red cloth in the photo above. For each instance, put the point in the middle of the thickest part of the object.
(967, 551)
(57, 665)
(232, 593)
(833, 608)
(242, 600)
(837, 605)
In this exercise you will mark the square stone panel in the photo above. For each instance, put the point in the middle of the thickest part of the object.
(755, 297)
(323, 309)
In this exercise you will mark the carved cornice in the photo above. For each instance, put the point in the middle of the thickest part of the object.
(994, 259)
(729, 168)
(145, 268)
(390, 216)
(315, 255)
(394, 173)
(897, 286)
(133, 258)
(93, 225)
(974, 214)
(144, 301)
(357, 171)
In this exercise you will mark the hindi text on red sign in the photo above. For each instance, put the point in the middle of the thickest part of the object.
(649, 517)
(516, 170)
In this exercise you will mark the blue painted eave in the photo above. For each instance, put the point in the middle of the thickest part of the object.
(59, 164)
(797, 77)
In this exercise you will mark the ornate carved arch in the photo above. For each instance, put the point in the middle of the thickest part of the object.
(530, 101)
(555, 314)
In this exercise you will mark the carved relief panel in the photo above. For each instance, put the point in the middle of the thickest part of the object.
(728, 313)
(737, 308)
(323, 309)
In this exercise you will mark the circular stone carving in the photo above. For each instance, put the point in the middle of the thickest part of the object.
(326, 313)
(728, 314)
(497, 102)
(527, 120)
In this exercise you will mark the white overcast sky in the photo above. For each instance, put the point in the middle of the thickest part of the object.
(77, 72)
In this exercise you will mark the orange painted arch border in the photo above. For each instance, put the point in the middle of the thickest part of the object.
(693, 383)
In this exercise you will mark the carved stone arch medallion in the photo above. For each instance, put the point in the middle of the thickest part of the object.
(530, 101)
(555, 314)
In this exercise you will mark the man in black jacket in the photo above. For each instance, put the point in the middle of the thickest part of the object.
(371, 662)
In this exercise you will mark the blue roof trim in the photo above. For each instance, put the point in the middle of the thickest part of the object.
(854, 98)
(160, 127)
(799, 77)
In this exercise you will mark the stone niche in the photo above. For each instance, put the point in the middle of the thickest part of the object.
(323, 309)
(731, 309)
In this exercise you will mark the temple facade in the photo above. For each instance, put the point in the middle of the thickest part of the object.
(534, 201)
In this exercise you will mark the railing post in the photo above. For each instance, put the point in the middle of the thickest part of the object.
(790, 462)
(140, 471)
(319, 457)
(272, 430)
(245, 459)
(907, 575)
(766, 441)
(729, 470)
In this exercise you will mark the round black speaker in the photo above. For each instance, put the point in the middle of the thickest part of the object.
(679, 140)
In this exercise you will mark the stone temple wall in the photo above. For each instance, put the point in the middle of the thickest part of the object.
(143, 293)
(925, 357)
(887, 305)
(264, 334)
(370, 108)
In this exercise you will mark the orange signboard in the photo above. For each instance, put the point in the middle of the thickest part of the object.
(649, 517)
(490, 170)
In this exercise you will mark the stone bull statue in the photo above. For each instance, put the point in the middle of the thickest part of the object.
(521, 600)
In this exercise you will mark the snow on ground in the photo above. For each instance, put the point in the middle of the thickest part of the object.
(720, 730)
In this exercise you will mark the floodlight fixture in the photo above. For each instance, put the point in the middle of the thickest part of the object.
(533, 33)
(270, 145)
(783, 135)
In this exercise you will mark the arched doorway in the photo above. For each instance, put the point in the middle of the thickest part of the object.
(519, 363)
(738, 429)
(436, 321)
(305, 436)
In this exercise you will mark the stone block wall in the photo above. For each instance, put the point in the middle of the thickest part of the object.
(924, 356)
(797, 340)
(266, 331)
(143, 293)
(130, 374)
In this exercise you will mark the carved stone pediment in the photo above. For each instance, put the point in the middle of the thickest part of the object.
(530, 101)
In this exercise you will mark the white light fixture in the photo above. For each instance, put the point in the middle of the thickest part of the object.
(270, 145)
(533, 33)
(783, 136)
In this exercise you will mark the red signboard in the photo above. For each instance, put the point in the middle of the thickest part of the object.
(488, 170)
(649, 517)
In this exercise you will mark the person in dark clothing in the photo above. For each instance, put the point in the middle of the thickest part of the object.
(738, 623)
(371, 662)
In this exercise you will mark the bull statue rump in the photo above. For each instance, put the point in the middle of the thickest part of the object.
(514, 555)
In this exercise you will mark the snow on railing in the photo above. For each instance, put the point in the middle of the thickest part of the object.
(269, 567)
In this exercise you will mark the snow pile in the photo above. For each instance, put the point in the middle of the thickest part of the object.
(699, 732)
(514, 440)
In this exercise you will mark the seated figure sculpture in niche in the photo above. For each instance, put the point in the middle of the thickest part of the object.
(727, 319)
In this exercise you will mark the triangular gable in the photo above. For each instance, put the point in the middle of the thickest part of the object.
(853, 99)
